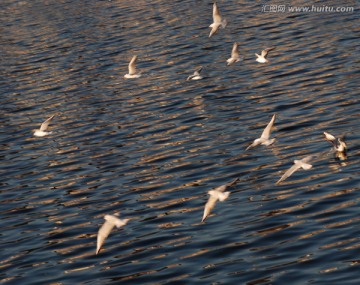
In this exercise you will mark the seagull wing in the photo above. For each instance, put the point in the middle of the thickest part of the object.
(216, 14)
(288, 173)
(132, 65)
(45, 124)
(265, 52)
(330, 138)
(210, 204)
(221, 188)
(233, 182)
(303, 163)
(103, 233)
(197, 72)
(116, 221)
(267, 131)
(235, 52)
(307, 158)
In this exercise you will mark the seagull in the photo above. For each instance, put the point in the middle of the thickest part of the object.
(216, 194)
(339, 145)
(262, 58)
(303, 163)
(265, 136)
(132, 69)
(104, 231)
(196, 75)
(235, 57)
(218, 21)
(42, 131)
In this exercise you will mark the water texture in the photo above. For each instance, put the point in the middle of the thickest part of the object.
(152, 147)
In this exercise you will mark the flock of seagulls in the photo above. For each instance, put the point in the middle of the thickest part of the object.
(219, 193)
(218, 22)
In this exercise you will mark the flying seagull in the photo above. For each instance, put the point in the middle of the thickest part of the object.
(104, 231)
(132, 69)
(42, 131)
(303, 163)
(217, 194)
(265, 136)
(338, 144)
(235, 57)
(196, 75)
(218, 21)
(262, 58)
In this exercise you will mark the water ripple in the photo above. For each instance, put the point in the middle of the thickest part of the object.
(151, 148)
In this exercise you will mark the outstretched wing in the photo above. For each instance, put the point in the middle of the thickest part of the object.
(233, 182)
(197, 72)
(132, 65)
(216, 14)
(235, 52)
(222, 188)
(103, 233)
(265, 52)
(210, 204)
(307, 158)
(330, 138)
(267, 131)
(288, 173)
(45, 124)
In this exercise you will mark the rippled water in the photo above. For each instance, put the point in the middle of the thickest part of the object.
(151, 148)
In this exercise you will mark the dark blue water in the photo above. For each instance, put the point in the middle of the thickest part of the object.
(151, 148)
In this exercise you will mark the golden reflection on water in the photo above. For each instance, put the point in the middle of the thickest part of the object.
(157, 144)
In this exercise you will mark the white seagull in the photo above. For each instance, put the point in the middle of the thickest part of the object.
(235, 57)
(216, 194)
(262, 58)
(303, 163)
(104, 231)
(42, 131)
(265, 136)
(196, 75)
(132, 69)
(218, 21)
(339, 145)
